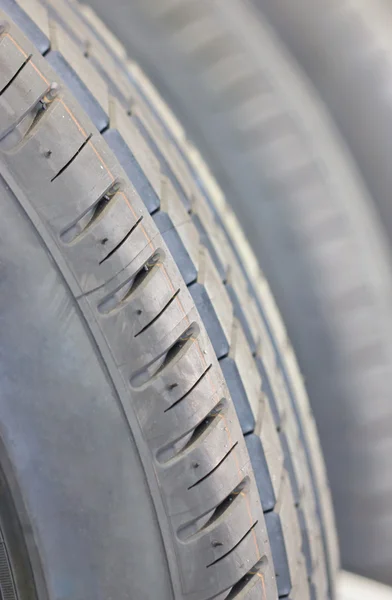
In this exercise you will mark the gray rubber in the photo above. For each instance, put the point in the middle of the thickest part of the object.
(346, 50)
(298, 194)
(122, 430)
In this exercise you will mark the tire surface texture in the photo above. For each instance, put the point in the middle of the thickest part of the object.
(158, 425)
(306, 209)
(346, 50)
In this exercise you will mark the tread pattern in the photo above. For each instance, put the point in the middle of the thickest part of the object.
(171, 366)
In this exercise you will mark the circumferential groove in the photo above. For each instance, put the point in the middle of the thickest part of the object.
(248, 580)
(233, 548)
(90, 216)
(86, 141)
(191, 389)
(159, 314)
(140, 219)
(165, 358)
(11, 81)
(215, 468)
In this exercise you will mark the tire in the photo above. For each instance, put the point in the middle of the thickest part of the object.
(346, 50)
(156, 439)
(303, 205)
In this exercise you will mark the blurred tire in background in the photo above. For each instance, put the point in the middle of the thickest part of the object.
(304, 200)
(345, 47)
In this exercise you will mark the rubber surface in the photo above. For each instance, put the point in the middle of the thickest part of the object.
(346, 50)
(156, 332)
(301, 200)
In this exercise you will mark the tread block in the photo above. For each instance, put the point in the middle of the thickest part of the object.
(305, 543)
(11, 60)
(69, 19)
(285, 540)
(247, 368)
(268, 390)
(122, 324)
(260, 467)
(159, 115)
(111, 243)
(21, 98)
(221, 542)
(28, 16)
(290, 467)
(195, 471)
(172, 238)
(83, 95)
(132, 168)
(85, 172)
(109, 70)
(183, 412)
(227, 571)
(214, 305)
(178, 231)
(301, 589)
(165, 146)
(81, 33)
(149, 164)
(75, 23)
(38, 13)
(74, 56)
(206, 242)
(272, 448)
(102, 31)
(166, 166)
(52, 146)
(79, 75)
(209, 278)
(238, 393)
(113, 86)
(205, 216)
(239, 314)
(210, 319)
(220, 535)
(268, 460)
